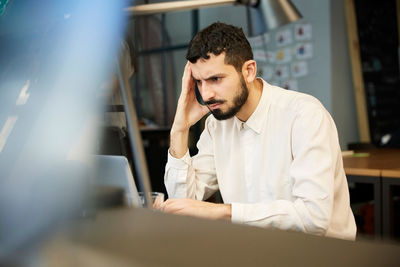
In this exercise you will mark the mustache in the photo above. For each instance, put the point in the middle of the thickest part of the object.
(214, 101)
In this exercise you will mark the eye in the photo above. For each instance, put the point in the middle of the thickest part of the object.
(216, 79)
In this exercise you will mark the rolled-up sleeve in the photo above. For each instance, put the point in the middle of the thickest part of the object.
(175, 177)
(193, 177)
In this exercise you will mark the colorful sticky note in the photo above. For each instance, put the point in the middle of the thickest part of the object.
(302, 31)
(283, 38)
(303, 51)
(299, 69)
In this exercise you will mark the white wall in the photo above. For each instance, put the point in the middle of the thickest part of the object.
(235, 15)
(318, 81)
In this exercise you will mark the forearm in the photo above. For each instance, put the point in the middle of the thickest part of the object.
(186, 176)
(225, 212)
(183, 181)
(306, 216)
(197, 208)
(178, 142)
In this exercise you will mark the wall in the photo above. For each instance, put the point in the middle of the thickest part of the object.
(235, 15)
(343, 103)
(318, 81)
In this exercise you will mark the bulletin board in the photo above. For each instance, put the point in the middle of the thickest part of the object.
(283, 55)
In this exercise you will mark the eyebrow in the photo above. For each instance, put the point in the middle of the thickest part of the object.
(217, 75)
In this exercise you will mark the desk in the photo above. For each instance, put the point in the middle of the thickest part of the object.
(139, 237)
(381, 169)
(378, 160)
(389, 179)
(362, 170)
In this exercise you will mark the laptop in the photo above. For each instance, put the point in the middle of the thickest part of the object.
(115, 171)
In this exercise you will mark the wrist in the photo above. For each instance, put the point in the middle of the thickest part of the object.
(179, 131)
(178, 143)
(225, 211)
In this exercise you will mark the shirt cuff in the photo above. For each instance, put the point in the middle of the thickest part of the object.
(237, 212)
(180, 163)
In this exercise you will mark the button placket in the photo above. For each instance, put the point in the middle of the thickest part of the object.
(247, 141)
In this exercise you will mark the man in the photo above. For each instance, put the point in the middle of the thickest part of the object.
(273, 153)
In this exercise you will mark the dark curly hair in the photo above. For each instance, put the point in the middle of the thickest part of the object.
(217, 38)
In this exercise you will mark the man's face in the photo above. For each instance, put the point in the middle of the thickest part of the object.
(222, 88)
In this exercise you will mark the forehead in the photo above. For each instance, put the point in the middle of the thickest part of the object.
(204, 68)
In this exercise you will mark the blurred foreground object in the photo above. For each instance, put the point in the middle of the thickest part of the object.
(53, 57)
(141, 237)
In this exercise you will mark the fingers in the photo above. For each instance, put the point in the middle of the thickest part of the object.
(170, 205)
(187, 79)
(157, 203)
(187, 69)
(189, 110)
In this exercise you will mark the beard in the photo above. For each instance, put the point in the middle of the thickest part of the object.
(238, 102)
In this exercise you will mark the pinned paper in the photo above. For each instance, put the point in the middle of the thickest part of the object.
(257, 41)
(267, 38)
(283, 38)
(267, 73)
(271, 57)
(283, 55)
(260, 55)
(299, 69)
(302, 32)
(303, 51)
(281, 72)
(290, 85)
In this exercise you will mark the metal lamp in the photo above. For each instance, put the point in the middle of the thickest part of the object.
(276, 13)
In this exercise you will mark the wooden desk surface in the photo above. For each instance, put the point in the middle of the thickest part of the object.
(391, 173)
(382, 161)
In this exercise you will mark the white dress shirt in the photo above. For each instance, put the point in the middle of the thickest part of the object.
(282, 168)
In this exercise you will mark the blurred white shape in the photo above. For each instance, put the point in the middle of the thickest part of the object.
(23, 95)
(5, 132)
(384, 140)
(67, 16)
(38, 186)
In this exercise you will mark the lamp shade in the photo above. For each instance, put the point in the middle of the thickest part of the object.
(277, 13)
(164, 7)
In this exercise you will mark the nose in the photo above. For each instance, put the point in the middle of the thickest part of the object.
(207, 92)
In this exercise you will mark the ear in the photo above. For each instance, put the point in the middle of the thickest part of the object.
(249, 70)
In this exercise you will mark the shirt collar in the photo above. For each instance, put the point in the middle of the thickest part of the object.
(257, 120)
